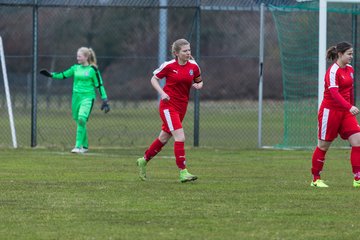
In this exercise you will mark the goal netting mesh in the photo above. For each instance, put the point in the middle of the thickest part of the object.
(298, 35)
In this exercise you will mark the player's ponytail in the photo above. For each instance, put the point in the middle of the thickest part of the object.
(89, 54)
(332, 52)
(92, 57)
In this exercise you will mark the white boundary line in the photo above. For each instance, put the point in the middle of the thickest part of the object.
(66, 153)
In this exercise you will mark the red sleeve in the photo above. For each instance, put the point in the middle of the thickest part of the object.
(197, 75)
(161, 72)
(197, 72)
(334, 91)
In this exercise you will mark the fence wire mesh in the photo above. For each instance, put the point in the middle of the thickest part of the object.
(125, 36)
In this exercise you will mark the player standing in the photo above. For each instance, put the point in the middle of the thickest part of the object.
(86, 79)
(181, 74)
(337, 112)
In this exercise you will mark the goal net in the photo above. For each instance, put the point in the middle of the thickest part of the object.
(298, 34)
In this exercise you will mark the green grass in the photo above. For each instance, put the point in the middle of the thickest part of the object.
(247, 194)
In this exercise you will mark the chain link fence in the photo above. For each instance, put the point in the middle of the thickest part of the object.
(224, 37)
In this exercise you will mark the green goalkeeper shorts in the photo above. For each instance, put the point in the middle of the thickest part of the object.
(82, 105)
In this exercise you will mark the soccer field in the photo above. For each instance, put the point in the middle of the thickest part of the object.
(247, 194)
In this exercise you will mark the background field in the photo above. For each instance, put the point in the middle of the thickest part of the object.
(126, 37)
(229, 124)
(247, 194)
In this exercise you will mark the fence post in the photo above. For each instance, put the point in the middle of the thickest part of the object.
(34, 76)
(197, 92)
(261, 71)
(162, 36)
(354, 43)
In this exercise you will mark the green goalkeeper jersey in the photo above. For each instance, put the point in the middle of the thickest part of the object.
(86, 79)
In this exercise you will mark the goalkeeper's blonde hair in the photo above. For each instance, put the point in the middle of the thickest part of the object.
(89, 53)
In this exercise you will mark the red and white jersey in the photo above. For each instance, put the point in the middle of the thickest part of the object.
(179, 79)
(341, 78)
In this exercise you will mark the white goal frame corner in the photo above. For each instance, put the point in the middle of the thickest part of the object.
(322, 42)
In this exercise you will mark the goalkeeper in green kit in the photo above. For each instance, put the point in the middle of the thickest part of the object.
(86, 79)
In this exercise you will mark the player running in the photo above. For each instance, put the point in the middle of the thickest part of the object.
(181, 74)
(86, 78)
(337, 112)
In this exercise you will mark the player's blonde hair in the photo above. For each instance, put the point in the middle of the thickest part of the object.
(176, 46)
(89, 53)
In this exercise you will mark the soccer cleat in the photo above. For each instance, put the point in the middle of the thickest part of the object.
(84, 150)
(319, 183)
(141, 162)
(185, 176)
(356, 184)
(76, 150)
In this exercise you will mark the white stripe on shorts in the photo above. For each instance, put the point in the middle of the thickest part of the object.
(168, 120)
(324, 123)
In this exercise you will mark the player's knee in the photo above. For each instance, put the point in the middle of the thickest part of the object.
(164, 137)
(179, 135)
(323, 145)
(82, 121)
(163, 140)
(355, 143)
(179, 139)
(354, 140)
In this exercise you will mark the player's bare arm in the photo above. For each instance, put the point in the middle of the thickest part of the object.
(155, 83)
(198, 83)
(354, 110)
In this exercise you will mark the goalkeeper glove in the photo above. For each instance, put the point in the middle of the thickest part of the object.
(105, 106)
(45, 72)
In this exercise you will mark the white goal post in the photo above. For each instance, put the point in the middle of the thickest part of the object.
(323, 43)
(7, 93)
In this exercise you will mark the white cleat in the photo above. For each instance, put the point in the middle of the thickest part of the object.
(84, 150)
(77, 150)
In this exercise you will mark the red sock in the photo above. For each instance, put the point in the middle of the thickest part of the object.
(154, 149)
(179, 152)
(318, 160)
(355, 162)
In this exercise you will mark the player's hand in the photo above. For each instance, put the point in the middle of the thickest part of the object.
(45, 72)
(105, 106)
(165, 97)
(354, 110)
(198, 85)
